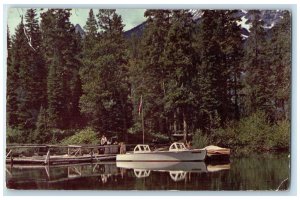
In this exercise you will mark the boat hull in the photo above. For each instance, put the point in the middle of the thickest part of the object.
(163, 156)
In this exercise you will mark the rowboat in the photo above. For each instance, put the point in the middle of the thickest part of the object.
(177, 152)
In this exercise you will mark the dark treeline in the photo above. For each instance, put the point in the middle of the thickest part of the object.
(194, 75)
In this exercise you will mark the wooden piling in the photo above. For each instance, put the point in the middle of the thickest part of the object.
(8, 154)
(47, 160)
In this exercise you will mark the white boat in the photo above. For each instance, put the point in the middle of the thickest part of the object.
(177, 152)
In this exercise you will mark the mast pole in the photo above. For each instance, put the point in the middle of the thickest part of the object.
(143, 126)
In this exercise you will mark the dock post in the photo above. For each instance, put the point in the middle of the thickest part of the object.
(11, 160)
(91, 155)
(8, 154)
(47, 160)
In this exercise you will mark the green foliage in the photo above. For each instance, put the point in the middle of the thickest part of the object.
(61, 49)
(86, 136)
(201, 78)
(219, 46)
(281, 135)
(148, 72)
(254, 134)
(14, 135)
(200, 140)
(42, 133)
(104, 76)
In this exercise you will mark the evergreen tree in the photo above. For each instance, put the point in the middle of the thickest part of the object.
(258, 69)
(282, 67)
(12, 83)
(105, 78)
(42, 133)
(232, 48)
(180, 68)
(20, 84)
(219, 44)
(279, 56)
(150, 81)
(62, 50)
(36, 65)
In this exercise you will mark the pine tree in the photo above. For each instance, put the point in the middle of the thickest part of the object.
(258, 69)
(62, 50)
(211, 80)
(232, 48)
(105, 78)
(150, 82)
(42, 133)
(219, 44)
(12, 83)
(179, 58)
(279, 54)
(20, 84)
(38, 70)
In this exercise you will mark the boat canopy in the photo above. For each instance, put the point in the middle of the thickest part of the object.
(177, 146)
(141, 148)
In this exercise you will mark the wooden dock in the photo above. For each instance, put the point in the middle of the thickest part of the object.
(60, 154)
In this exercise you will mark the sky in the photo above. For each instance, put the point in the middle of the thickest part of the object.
(130, 17)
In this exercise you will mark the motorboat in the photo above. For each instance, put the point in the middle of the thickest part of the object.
(177, 152)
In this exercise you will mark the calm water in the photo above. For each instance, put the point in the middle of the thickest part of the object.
(265, 172)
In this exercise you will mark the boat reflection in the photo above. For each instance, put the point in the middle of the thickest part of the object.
(104, 173)
(178, 171)
(178, 175)
(141, 173)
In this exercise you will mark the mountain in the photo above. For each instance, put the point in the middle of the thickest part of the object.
(271, 17)
(79, 30)
(138, 30)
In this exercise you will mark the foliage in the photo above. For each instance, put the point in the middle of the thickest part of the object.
(254, 134)
(194, 75)
(14, 135)
(104, 76)
(61, 50)
(85, 136)
(281, 136)
(200, 140)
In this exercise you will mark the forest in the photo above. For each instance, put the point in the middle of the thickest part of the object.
(187, 75)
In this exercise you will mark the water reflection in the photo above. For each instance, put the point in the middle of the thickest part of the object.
(240, 174)
(178, 171)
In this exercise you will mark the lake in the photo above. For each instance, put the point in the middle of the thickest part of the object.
(264, 172)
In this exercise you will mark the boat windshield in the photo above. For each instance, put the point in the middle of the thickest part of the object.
(177, 147)
(140, 148)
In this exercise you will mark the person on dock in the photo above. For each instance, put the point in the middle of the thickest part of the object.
(122, 148)
(103, 140)
(188, 145)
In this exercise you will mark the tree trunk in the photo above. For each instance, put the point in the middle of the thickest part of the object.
(184, 127)
(236, 106)
(174, 124)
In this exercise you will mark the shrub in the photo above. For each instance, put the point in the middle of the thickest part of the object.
(200, 140)
(280, 138)
(254, 132)
(86, 136)
(14, 135)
